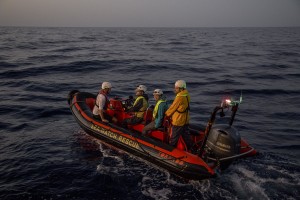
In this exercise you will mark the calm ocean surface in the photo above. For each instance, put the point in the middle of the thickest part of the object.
(44, 154)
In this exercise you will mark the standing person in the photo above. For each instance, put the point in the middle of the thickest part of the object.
(158, 112)
(139, 107)
(102, 103)
(180, 115)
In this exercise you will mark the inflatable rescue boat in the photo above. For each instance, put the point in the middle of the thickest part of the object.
(216, 146)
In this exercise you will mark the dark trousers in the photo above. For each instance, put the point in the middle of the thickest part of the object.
(178, 131)
(106, 116)
(148, 127)
(132, 120)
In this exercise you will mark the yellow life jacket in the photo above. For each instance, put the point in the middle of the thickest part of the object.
(156, 107)
(141, 112)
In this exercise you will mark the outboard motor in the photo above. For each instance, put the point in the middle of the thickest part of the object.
(224, 141)
(221, 142)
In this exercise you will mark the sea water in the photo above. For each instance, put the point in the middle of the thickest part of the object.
(44, 154)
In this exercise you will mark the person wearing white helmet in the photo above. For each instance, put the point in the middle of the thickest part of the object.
(102, 103)
(180, 115)
(158, 112)
(139, 107)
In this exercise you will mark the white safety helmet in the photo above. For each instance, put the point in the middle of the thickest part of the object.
(106, 85)
(142, 88)
(157, 91)
(180, 84)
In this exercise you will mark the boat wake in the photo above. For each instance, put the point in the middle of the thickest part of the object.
(110, 164)
(263, 177)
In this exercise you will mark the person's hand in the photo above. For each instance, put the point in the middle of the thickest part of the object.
(167, 121)
(168, 118)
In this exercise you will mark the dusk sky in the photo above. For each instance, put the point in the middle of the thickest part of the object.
(150, 13)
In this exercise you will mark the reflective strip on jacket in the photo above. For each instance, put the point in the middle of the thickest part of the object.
(159, 111)
(179, 110)
(142, 110)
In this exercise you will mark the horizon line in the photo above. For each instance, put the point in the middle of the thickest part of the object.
(33, 26)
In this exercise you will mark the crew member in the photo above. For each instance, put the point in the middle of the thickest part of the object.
(139, 107)
(180, 115)
(158, 112)
(102, 103)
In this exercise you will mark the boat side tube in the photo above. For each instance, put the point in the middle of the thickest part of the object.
(179, 162)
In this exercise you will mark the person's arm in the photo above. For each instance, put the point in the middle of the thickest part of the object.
(173, 107)
(102, 101)
(137, 106)
(102, 116)
(160, 116)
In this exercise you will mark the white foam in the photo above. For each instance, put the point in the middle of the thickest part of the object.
(160, 194)
(201, 186)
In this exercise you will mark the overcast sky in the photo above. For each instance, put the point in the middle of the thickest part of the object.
(150, 13)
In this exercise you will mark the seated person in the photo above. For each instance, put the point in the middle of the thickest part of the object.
(139, 107)
(158, 112)
(102, 103)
